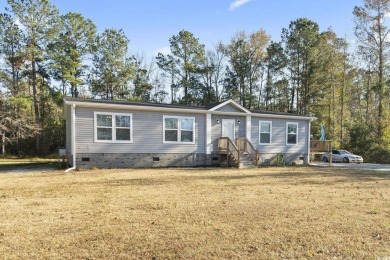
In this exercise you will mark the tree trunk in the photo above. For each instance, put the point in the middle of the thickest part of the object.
(242, 92)
(368, 89)
(36, 105)
(267, 90)
(3, 143)
(380, 91)
(343, 86)
(260, 91)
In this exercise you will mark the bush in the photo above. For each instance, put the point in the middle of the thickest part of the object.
(364, 142)
(379, 154)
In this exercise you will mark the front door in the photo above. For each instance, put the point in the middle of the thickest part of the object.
(228, 128)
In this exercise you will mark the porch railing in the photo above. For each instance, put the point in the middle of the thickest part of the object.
(226, 146)
(244, 145)
(317, 146)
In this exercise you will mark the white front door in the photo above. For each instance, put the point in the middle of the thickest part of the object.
(228, 128)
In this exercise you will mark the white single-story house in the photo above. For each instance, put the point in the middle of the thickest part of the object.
(121, 134)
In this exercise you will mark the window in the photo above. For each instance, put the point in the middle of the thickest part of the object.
(292, 133)
(178, 129)
(265, 132)
(113, 127)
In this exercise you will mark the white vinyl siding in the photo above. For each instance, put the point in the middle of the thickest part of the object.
(178, 129)
(291, 133)
(265, 132)
(113, 127)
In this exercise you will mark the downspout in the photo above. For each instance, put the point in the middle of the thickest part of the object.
(73, 137)
(208, 139)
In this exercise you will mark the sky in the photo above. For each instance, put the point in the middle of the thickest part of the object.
(150, 23)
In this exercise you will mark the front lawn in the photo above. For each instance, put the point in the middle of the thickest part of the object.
(276, 213)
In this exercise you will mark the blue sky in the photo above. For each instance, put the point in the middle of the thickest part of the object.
(150, 23)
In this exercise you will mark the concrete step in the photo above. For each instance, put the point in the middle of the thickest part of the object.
(244, 166)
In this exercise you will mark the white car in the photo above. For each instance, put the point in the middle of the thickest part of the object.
(342, 156)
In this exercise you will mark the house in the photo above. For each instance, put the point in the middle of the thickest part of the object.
(120, 134)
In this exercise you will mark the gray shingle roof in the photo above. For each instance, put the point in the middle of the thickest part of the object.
(178, 106)
(124, 102)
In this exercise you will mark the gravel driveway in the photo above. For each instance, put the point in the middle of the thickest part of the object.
(358, 166)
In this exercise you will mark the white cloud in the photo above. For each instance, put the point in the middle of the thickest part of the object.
(164, 50)
(237, 4)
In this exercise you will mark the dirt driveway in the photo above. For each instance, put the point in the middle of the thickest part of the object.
(358, 166)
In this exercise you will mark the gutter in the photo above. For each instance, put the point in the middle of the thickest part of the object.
(73, 137)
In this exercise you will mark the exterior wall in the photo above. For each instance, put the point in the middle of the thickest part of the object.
(147, 134)
(216, 129)
(291, 153)
(140, 160)
(148, 141)
(229, 108)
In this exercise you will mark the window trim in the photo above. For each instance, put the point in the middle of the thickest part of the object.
(179, 129)
(113, 127)
(292, 123)
(270, 132)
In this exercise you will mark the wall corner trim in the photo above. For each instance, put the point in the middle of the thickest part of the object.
(208, 133)
(248, 128)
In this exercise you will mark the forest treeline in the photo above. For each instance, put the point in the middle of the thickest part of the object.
(46, 56)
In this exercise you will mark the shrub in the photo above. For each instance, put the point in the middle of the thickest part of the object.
(364, 142)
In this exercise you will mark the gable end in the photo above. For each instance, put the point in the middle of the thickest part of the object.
(230, 106)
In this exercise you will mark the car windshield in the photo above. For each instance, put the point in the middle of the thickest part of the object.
(344, 152)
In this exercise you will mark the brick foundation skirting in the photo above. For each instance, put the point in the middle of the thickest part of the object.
(150, 160)
(143, 160)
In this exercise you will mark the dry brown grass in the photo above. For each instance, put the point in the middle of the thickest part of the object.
(271, 213)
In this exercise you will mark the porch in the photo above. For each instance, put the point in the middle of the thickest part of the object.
(241, 154)
(320, 147)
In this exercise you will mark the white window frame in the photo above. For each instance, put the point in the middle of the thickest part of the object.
(270, 132)
(292, 123)
(179, 129)
(113, 127)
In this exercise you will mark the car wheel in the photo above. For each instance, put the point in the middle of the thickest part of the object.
(325, 159)
(346, 160)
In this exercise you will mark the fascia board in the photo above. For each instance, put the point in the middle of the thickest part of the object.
(234, 103)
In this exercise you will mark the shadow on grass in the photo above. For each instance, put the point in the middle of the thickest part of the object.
(150, 181)
(28, 167)
(307, 176)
